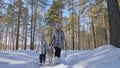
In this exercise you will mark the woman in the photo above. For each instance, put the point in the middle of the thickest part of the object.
(57, 40)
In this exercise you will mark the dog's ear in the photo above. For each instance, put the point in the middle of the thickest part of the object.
(52, 47)
(48, 47)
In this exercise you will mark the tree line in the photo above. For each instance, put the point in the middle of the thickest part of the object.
(88, 24)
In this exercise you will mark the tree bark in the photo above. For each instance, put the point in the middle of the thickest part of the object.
(31, 39)
(25, 42)
(104, 24)
(18, 26)
(73, 27)
(35, 24)
(114, 22)
(79, 31)
(92, 24)
(26, 28)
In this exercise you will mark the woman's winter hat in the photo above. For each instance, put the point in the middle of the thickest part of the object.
(58, 25)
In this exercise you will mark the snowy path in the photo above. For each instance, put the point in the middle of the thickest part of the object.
(18, 59)
(23, 59)
(102, 57)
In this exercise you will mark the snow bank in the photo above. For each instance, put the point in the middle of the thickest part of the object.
(105, 56)
(98, 58)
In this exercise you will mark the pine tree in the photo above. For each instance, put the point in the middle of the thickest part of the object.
(18, 26)
(114, 22)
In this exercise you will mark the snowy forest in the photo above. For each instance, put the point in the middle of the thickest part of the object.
(85, 22)
(91, 29)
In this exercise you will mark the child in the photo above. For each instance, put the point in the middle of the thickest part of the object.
(42, 50)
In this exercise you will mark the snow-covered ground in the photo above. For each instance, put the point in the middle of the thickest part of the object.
(103, 57)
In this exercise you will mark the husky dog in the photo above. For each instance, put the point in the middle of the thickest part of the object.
(50, 53)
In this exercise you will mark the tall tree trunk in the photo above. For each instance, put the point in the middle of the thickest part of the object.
(92, 24)
(0, 42)
(13, 29)
(22, 44)
(35, 18)
(73, 27)
(25, 42)
(12, 37)
(10, 42)
(31, 40)
(1, 34)
(34, 24)
(114, 22)
(18, 26)
(3, 42)
(104, 24)
(88, 41)
(26, 28)
(93, 30)
(6, 40)
(79, 31)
